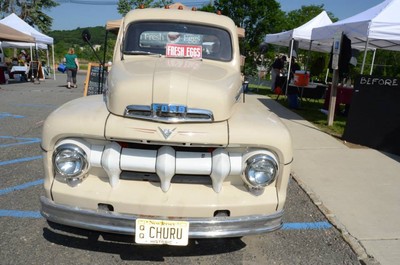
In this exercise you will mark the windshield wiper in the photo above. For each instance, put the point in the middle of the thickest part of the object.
(141, 53)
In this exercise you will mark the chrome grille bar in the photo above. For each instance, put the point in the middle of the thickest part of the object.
(170, 115)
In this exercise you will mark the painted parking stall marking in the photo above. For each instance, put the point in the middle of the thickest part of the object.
(19, 160)
(16, 141)
(21, 187)
(9, 115)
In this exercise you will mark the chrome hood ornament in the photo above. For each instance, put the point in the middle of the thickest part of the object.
(166, 132)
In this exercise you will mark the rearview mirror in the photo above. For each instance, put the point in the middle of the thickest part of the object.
(86, 35)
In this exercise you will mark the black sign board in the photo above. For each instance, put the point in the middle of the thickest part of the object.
(93, 86)
(374, 117)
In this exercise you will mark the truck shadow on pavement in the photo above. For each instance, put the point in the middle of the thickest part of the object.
(125, 247)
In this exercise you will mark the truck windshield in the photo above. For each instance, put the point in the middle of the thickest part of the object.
(179, 40)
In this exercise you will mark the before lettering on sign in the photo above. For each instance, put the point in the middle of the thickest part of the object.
(378, 81)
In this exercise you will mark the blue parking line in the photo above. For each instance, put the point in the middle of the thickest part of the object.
(20, 140)
(19, 160)
(20, 214)
(9, 115)
(306, 226)
(21, 187)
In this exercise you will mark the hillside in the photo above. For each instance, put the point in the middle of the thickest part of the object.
(74, 36)
(64, 39)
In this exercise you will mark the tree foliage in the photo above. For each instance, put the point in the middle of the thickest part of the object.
(31, 11)
(257, 17)
(64, 39)
(298, 17)
(124, 6)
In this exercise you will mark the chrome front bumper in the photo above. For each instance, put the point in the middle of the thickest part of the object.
(112, 222)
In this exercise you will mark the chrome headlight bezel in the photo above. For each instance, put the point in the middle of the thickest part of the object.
(71, 162)
(261, 170)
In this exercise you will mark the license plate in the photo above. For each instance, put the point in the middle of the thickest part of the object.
(160, 232)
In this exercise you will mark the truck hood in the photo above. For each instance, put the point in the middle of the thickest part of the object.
(172, 87)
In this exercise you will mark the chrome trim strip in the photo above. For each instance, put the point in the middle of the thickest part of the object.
(112, 222)
(152, 113)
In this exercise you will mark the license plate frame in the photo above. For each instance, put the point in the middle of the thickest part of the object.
(162, 232)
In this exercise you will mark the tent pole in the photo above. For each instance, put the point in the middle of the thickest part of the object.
(326, 76)
(373, 62)
(47, 57)
(308, 56)
(30, 49)
(54, 64)
(365, 55)
(290, 66)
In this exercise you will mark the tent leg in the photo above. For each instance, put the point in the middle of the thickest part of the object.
(290, 66)
(54, 63)
(373, 62)
(308, 56)
(365, 55)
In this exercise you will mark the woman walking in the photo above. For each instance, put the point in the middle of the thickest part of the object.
(72, 64)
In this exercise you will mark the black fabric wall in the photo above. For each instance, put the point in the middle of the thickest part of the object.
(374, 117)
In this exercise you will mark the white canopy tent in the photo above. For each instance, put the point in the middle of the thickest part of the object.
(302, 34)
(41, 40)
(9, 34)
(375, 28)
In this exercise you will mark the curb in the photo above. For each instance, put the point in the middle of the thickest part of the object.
(358, 248)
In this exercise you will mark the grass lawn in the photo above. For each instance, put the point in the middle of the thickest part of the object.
(309, 110)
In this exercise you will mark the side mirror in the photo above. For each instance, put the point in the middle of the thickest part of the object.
(263, 47)
(86, 35)
(86, 38)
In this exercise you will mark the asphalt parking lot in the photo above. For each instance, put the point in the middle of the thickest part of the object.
(26, 238)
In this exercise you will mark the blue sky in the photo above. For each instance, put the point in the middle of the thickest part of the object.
(69, 15)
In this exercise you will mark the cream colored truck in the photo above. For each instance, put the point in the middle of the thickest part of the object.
(171, 150)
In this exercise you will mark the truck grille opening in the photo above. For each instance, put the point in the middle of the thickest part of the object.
(168, 114)
(153, 177)
(165, 164)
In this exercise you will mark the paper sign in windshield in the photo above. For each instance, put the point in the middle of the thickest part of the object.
(183, 51)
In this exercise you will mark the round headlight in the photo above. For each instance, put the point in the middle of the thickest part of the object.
(70, 161)
(260, 171)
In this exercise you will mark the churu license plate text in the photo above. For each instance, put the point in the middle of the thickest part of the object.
(160, 232)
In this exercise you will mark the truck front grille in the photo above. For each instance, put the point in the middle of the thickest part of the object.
(166, 164)
(168, 113)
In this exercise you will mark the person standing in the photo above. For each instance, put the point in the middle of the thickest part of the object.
(22, 57)
(276, 69)
(72, 64)
(294, 67)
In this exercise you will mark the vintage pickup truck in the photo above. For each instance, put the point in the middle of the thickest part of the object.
(172, 149)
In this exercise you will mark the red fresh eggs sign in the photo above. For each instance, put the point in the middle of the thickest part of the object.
(180, 50)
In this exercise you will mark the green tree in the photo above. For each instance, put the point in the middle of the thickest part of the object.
(124, 6)
(298, 17)
(257, 17)
(31, 11)
(64, 39)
